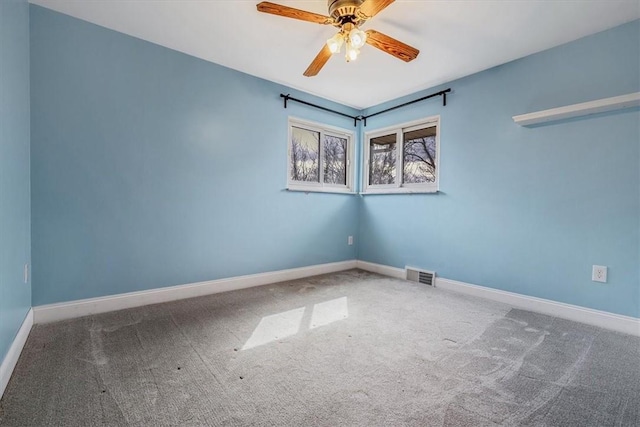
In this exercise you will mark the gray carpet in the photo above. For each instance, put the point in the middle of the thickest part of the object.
(351, 348)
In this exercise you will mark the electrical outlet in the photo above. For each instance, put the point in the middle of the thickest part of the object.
(350, 240)
(599, 273)
(26, 273)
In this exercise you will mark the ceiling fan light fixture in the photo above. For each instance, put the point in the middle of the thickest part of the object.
(352, 52)
(335, 43)
(347, 16)
(357, 37)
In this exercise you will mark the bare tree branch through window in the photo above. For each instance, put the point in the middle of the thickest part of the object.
(419, 151)
(335, 160)
(382, 160)
(404, 156)
(319, 158)
(305, 153)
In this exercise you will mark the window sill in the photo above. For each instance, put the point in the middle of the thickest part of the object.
(321, 190)
(399, 191)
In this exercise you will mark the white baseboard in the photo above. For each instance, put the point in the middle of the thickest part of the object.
(11, 359)
(72, 309)
(68, 310)
(616, 322)
(385, 270)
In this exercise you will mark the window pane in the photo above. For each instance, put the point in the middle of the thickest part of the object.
(419, 156)
(335, 160)
(305, 153)
(382, 160)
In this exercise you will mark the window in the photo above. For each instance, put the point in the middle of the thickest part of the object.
(402, 159)
(319, 158)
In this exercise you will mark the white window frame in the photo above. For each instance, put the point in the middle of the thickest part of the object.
(320, 186)
(399, 186)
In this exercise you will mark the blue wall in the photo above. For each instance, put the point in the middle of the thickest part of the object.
(153, 168)
(527, 210)
(15, 295)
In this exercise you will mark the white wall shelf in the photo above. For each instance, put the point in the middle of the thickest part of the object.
(578, 110)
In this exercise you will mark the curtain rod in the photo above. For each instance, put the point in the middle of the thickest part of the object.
(288, 97)
(442, 93)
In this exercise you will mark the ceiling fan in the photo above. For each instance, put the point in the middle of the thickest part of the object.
(347, 15)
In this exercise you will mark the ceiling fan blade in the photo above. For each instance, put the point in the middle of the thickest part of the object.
(290, 12)
(373, 7)
(391, 46)
(318, 62)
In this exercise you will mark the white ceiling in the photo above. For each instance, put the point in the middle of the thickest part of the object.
(455, 38)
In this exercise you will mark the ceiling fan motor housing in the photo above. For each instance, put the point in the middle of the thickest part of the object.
(343, 11)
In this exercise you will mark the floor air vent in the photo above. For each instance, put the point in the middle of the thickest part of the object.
(421, 276)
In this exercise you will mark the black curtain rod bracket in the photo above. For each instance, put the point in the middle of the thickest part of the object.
(442, 93)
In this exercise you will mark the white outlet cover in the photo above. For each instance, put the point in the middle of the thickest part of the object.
(599, 273)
